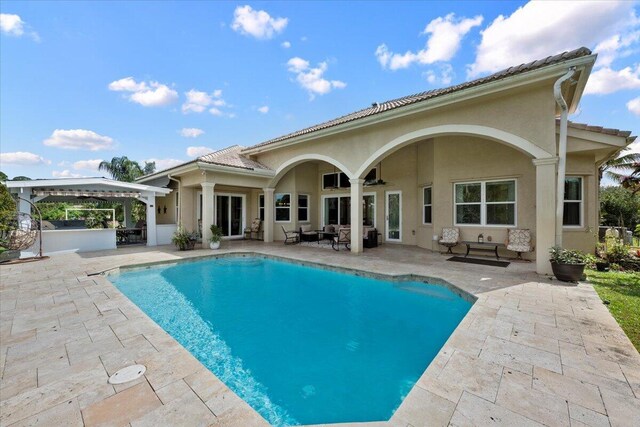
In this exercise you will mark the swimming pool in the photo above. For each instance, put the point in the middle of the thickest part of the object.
(301, 345)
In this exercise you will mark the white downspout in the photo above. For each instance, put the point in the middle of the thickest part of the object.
(562, 151)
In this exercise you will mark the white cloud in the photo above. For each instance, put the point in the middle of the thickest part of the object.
(264, 109)
(78, 139)
(542, 28)
(257, 23)
(198, 101)
(312, 79)
(13, 25)
(443, 77)
(162, 164)
(634, 107)
(191, 132)
(616, 46)
(286, 44)
(65, 174)
(605, 80)
(198, 151)
(445, 36)
(22, 158)
(151, 94)
(90, 165)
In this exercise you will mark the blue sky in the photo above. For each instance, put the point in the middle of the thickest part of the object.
(166, 81)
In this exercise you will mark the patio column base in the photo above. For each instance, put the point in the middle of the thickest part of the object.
(208, 196)
(356, 215)
(268, 214)
(545, 211)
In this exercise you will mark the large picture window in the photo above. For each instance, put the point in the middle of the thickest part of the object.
(572, 202)
(303, 208)
(485, 203)
(282, 203)
(427, 211)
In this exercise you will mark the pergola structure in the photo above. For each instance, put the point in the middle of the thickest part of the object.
(87, 189)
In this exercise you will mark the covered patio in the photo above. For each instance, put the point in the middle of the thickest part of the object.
(76, 236)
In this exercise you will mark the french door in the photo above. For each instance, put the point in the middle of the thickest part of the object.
(230, 214)
(394, 216)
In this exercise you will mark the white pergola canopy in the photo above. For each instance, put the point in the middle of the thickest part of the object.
(85, 189)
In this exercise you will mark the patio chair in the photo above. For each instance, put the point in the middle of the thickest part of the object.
(519, 241)
(253, 230)
(307, 234)
(343, 238)
(450, 238)
(290, 237)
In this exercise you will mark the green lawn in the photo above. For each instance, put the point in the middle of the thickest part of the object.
(622, 290)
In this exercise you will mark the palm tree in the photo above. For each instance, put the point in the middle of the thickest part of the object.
(122, 169)
(624, 170)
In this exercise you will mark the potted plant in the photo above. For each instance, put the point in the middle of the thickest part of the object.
(602, 263)
(216, 236)
(567, 265)
(184, 239)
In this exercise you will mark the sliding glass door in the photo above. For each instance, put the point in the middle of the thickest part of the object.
(230, 215)
(337, 210)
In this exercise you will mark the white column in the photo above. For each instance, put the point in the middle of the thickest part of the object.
(545, 211)
(151, 220)
(268, 214)
(127, 210)
(356, 215)
(208, 198)
(24, 194)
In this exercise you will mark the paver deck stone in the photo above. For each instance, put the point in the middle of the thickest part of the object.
(527, 348)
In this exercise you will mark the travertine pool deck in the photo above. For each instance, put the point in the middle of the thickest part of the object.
(530, 351)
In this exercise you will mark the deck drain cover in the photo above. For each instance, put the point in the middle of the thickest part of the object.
(127, 374)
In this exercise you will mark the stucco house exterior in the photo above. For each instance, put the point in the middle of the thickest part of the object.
(484, 156)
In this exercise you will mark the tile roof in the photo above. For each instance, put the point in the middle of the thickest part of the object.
(232, 157)
(378, 108)
(600, 129)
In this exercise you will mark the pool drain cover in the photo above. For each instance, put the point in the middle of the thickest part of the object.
(127, 374)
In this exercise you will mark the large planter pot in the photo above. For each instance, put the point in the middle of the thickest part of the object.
(568, 272)
(214, 245)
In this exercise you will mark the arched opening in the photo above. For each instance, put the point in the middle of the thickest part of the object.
(312, 195)
(484, 132)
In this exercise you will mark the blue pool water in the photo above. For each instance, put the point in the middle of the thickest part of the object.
(301, 345)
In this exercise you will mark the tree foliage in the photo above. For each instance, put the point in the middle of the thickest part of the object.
(619, 207)
(624, 170)
(3, 176)
(124, 169)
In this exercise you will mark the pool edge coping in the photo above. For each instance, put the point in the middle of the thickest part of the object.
(467, 296)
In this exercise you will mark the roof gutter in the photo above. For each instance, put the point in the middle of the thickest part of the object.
(562, 151)
(585, 62)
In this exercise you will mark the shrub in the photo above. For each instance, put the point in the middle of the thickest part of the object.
(184, 239)
(216, 233)
(566, 256)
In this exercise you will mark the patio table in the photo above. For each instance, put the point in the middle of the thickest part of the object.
(483, 247)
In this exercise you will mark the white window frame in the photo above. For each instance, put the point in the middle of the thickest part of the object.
(275, 208)
(581, 202)
(424, 205)
(307, 208)
(483, 204)
(261, 216)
